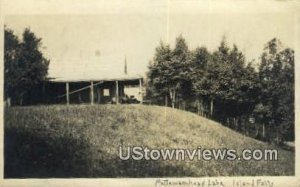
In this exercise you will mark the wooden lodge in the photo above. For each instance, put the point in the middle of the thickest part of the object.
(96, 90)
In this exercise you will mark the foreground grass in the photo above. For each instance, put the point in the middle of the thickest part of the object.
(83, 141)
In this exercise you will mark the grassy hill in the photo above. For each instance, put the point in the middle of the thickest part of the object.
(83, 141)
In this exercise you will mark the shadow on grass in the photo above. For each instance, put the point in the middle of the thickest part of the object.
(28, 155)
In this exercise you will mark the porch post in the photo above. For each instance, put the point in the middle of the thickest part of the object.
(92, 92)
(67, 93)
(98, 95)
(117, 92)
(140, 80)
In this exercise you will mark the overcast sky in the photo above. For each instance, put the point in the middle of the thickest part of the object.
(83, 39)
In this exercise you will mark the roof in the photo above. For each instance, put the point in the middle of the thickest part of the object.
(90, 69)
(97, 78)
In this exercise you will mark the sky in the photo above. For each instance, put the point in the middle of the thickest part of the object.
(92, 38)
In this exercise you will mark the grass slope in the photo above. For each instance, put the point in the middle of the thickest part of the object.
(83, 141)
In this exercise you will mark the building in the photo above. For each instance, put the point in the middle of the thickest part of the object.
(103, 87)
(95, 90)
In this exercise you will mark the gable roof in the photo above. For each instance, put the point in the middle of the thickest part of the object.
(87, 70)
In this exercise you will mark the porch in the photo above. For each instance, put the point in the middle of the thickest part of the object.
(115, 91)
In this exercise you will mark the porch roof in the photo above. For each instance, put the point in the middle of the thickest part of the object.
(97, 78)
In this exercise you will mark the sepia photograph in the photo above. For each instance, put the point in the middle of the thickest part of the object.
(161, 89)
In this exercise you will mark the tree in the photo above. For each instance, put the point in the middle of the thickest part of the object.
(180, 86)
(286, 107)
(158, 74)
(11, 61)
(212, 80)
(240, 95)
(198, 75)
(168, 73)
(25, 65)
(226, 82)
(276, 73)
(210, 71)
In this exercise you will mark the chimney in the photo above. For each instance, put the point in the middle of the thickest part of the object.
(125, 66)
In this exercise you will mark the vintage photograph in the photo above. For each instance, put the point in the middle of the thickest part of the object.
(171, 90)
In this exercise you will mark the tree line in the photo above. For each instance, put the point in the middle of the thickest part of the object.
(223, 86)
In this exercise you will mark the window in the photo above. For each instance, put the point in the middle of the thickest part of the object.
(106, 92)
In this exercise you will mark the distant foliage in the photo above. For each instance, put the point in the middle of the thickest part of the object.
(25, 67)
(223, 86)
